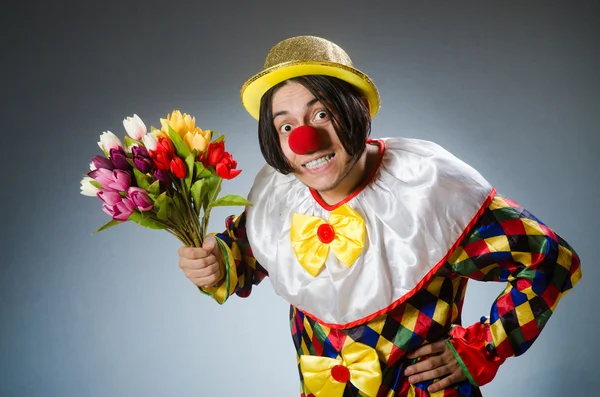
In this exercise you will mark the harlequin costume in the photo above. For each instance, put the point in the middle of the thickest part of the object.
(377, 275)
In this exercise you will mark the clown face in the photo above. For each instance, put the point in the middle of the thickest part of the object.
(321, 163)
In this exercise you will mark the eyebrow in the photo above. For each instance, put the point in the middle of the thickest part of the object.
(284, 112)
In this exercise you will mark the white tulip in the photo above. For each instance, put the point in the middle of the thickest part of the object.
(108, 141)
(87, 189)
(135, 127)
(150, 141)
(92, 166)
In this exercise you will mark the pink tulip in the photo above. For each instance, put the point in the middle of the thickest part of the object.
(120, 211)
(109, 197)
(121, 181)
(140, 198)
(118, 180)
(102, 176)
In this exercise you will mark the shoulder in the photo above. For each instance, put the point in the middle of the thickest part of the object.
(412, 160)
(269, 181)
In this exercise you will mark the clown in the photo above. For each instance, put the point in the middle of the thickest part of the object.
(373, 241)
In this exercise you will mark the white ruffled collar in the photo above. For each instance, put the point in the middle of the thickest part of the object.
(416, 206)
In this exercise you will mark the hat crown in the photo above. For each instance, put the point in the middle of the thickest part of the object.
(306, 48)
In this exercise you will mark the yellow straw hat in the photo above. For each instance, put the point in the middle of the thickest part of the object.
(301, 56)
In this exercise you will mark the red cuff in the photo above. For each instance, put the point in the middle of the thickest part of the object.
(469, 345)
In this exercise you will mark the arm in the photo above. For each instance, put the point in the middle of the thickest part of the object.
(240, 269)
(509, 244)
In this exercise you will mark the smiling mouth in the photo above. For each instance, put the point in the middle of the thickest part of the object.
(321, 161)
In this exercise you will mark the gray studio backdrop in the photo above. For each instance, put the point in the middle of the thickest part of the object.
(509, 87)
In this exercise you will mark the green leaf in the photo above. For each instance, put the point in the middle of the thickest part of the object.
(130, 161)
(212, 190)
(189, 162)
(165, 210)
(142, 179)
(160, 206)
(230, 200)
(179, 211)
(130, 142)
(153, 128)
(146, 221)
(201, 172)
(219, 139)
(180, 147)
(96, 184)
(199, 190)
(154, 188)
(107, 225)
(220, 136)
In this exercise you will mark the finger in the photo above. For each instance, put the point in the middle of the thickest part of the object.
(206, 282)
(193, 253)
(430, 375)
(204, 272)
(452, 379)
(428, 349)
(197, 264)
(426, 365)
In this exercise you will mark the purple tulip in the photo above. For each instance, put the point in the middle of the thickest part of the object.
(119, 158)
(163, 177)
(102, 176)
(109, 197)
(142, 159)
(103, 162)
(140, 198)
(120, 211)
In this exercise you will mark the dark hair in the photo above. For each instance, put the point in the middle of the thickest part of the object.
(350, 117)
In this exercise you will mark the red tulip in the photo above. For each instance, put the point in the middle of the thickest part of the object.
(215, 152)
(161, 160)
(163, 154)
(225, 165)
(165, 145)
(178, 167)
(226, 168)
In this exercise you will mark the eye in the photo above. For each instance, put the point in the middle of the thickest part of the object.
(321, 115)
(286, 128)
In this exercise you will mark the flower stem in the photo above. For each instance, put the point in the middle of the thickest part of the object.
(191, 224)
(206, 217)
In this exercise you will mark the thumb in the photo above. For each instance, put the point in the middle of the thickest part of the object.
(209, 243)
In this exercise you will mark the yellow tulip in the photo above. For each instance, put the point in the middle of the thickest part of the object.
(182, 124)
(197, 139)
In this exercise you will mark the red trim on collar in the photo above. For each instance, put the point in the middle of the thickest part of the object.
(421, 283)
(328, 207)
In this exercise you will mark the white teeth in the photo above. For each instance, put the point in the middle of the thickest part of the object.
(319, 162)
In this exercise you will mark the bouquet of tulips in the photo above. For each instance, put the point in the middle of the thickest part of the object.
(167, 179)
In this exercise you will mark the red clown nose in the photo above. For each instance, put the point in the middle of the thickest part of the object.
(304, 139)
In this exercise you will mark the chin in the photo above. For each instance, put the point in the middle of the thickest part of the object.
(320, 185)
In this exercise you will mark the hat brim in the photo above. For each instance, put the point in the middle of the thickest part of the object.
(253, 90)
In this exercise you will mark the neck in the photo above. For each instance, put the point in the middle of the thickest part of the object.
(357, 174)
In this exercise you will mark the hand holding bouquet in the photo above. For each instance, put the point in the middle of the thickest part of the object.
(167, 179)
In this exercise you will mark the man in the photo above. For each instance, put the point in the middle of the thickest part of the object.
(372, 242)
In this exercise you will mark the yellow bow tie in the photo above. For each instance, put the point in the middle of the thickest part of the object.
(312, 238)
(327, 377)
